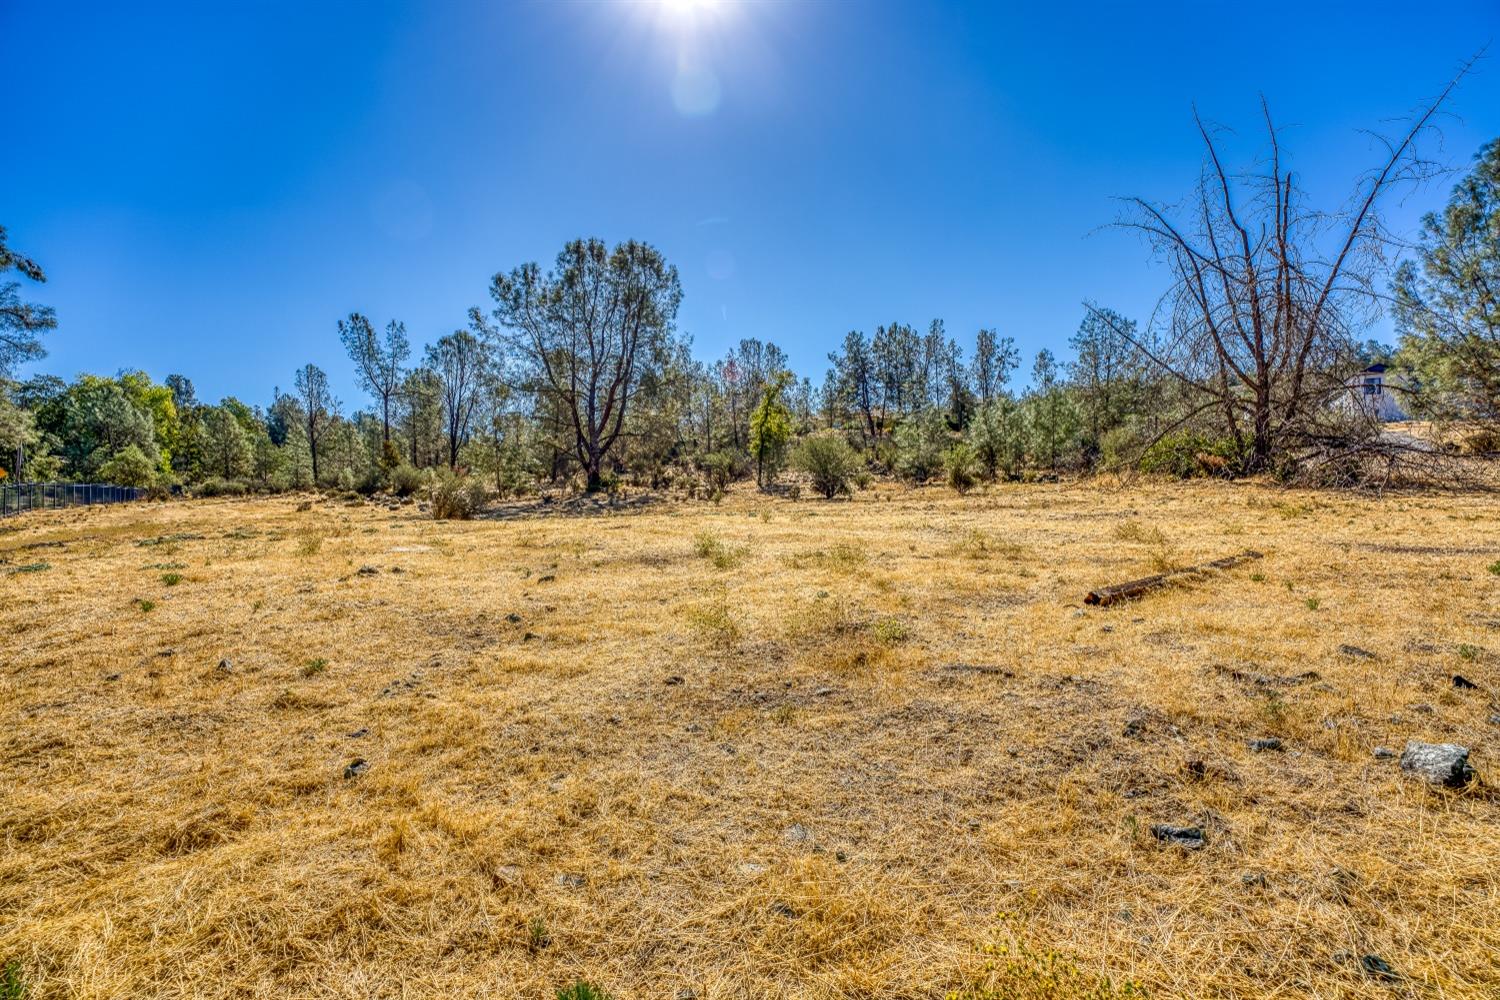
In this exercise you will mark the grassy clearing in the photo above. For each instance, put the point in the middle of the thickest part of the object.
(754, 749)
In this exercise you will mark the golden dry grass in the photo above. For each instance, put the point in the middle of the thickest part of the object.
(763, 749)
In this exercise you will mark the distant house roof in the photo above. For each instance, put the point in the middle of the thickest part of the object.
(1374, 370)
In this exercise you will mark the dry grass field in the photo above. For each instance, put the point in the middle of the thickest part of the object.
(769, 749)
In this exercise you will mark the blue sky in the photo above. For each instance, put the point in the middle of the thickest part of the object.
(212, 186)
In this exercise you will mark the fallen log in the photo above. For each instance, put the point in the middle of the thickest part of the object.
(1106, 596)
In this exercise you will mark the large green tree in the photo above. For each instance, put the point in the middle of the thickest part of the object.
(378, 361)
(21, 323)
(1448, 300)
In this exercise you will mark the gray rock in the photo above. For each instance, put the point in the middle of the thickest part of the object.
(1190, 837)
(355, 768)
(797, 833)
(1463, 683)
(569, 880)
(1384, 753)
(368, 570)
(1357, 653)
(1264, 744)
(1378, 968)
(226, 666)
(1444, 764)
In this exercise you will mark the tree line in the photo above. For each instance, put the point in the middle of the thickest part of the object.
(578, 373)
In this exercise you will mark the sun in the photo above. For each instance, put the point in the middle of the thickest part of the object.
(687, 8)
(690, 13)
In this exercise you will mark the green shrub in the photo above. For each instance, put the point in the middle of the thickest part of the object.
(12, 986)
(218, 486)
(715, 623)
(582, 991)
(963, 468)
(921, 442)
(721, 468)
(456, 498)
(1494, 567)
(1187, 454)
(1016, 969)
(171, 579)
(537, 935)
(405, 480)
(709, 546)
(828, 460)
(128, 467)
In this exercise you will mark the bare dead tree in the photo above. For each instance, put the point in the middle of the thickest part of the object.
(1257, 322)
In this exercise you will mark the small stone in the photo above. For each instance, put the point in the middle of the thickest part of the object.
(226, 666)
(1495, 719)
(355, 768)
(823, 692)
(1422, 708)
(797, 833)
(751, 868)
(1255, 880)
(1463, 683)
(368, 570)
(783, 910)
(1134, 728)
(1444, 764)
(1378, 968)
(672, 681)
(1357, 653)
(111, 677)
(1264, 744)
(569, 880)
(546, 578)
(685, 993)
(840, 856)
(1190, 837)
(359, 733)
(1384, 753)
(513, 618)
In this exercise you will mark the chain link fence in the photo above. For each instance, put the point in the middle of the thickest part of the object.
(18, 497)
